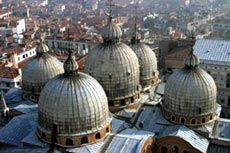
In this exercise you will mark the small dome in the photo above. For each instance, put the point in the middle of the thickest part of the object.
(77, 105)
(191, 92)
(148, 64)
(111, 32)
(38, 71)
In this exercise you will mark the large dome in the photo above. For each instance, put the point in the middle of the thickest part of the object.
(115, 66)
(148, 63)
(76, 105)
(190, 94)
(38, 71)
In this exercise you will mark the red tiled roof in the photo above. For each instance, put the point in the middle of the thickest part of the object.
(9, 72)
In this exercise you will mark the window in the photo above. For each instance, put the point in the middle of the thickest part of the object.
(182, 120)
(175, 149)
(110, 76)
(228, 100)
(164, 150)
(141, 125)
(98, 136)
(69, 142)
(199, 110)
(122, 102)
(203, 120)
(84, 140)
(132, 99)
(193, 121)
(228, 81)
(210, 117)
(173, 118)
(83, 46)
(107, 129)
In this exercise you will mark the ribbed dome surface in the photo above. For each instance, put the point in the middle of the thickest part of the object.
(77, 104)
(147, 60)
(116, 68)
(111, 32)
(38, 71)
(190, 92)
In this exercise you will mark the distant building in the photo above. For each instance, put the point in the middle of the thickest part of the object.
(14, 25)
(81, 45)
(215, 59)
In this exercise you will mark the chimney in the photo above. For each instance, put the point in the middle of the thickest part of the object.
(14, 59)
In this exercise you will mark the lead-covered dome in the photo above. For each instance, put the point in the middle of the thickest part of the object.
(190, 94)
(38, 71)
(147, 60)
(115, 66)
(75, 106)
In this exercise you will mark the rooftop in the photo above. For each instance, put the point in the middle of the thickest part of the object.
(213, 50)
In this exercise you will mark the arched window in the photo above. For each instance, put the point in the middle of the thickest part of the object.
(182, 120)
(193, 121)
(173, 118)
(69, 142)
(84, 140)
(164, 150)
(203, 120)
(98, 136)
(175, 149)
(210, 117)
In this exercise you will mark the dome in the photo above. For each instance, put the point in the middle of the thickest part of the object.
(38, 71)
(111, 32)
(190, 93)
(76, 105)
(115, 66)
(148, 63)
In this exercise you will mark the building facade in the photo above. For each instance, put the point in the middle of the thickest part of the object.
(215, 59)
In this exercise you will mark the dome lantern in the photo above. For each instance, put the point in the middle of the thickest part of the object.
(192, 60)
(70, 65)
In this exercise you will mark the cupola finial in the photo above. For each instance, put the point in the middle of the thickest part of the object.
(70, 65)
